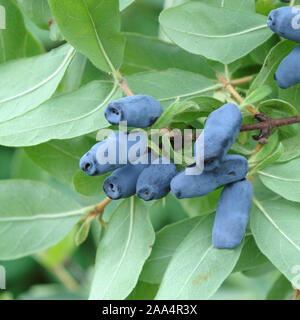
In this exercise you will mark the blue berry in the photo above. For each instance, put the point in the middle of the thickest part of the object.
(111, 153)
(122, 182)
(288, 72)
(139, 111)
(154, 181)
(285, 21)
(232, 215)
(220, 131)
(232, 168)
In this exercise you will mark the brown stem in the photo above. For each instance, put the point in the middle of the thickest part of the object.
(273, 123)
(296, 294)
(123, 84)
(245, 80)
(230, 88)
(101, 206)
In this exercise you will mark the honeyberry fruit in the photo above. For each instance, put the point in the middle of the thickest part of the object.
(122, 182)
(139, 111)
(220, 131)
(288, 72)
(112, 153)
(154, 182)
(232, 215)
(232, 168)
(285, 21)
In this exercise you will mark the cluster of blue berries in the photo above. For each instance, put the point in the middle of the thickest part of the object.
(220, 131)
(285, 21)
(152, 178)
(138, 173)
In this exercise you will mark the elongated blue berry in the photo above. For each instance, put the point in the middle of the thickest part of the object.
(154, 181)
(139, 111)
(285, 21)
(232, 168)
(114, 152)
(232, 215)
(220, 131)
(122, 182)
(288, 72)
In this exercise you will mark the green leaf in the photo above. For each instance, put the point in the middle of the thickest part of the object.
(13, 44)
(257, 95)
(283, 179)
(167, 86)
(209, 31)
(277, 108)
(166, 242)
(187, 110)
(201, 206)
(251, 257)
(144, 53)
(242, 5)
(63, 117)
(88, 186)
(275, 226)
(261, 192)
(266, 74)
(291, 149)
(292, 95)
(58, 254)
(264, 6)
(38, 11)
(265, 151)
(26, 83)
(173, 110)
(22, 167)
(33, 217)
(207, 105)
(122, 252)
(93, 28)
(281, 289)
(125, 3)
(269, 159)
(197, 269)
(83, 232)
(259, 54)
(74, 75)
(143, 291)
(60, 158)
(33, 47)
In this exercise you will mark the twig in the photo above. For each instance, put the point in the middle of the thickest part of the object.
(296, 294)
(230, 88)
(65, 278)
(60, 272)
(102, 205)
(266, 125)
(238, 97)
(245, 80)
(123, 84)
